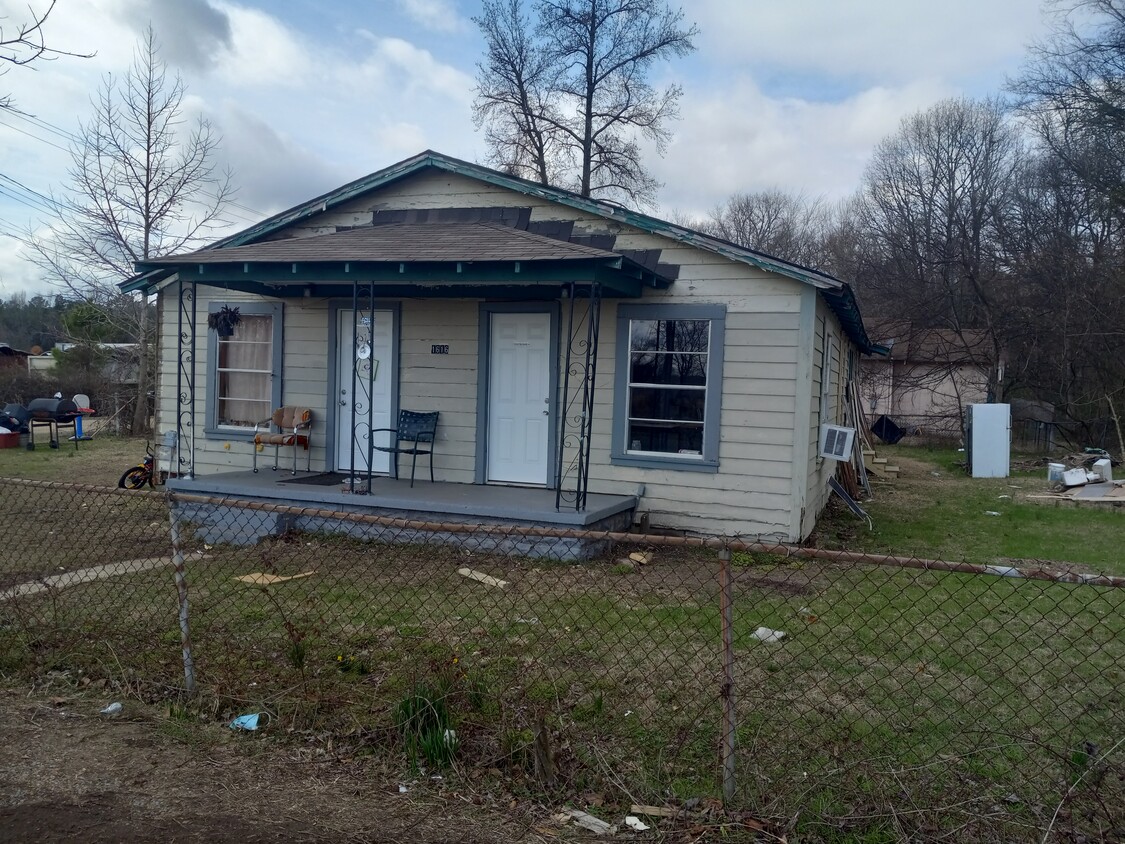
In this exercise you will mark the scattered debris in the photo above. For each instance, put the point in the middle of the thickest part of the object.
(588, 821)
(991, 513)
(402, 789)
(765, 634)
(641, 557)
(1003, 496)
(636, 823)
(851, 502)
(1074, 477)
(652, 811)
(111, 711)
(258, 578)
(481, 577)
(247, 722)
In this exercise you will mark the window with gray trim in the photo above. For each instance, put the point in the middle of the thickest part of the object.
(669, 384)
(244, 384)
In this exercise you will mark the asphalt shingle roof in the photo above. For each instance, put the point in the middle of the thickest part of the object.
(400, 242)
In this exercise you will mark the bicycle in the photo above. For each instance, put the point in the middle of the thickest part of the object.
(141, 474)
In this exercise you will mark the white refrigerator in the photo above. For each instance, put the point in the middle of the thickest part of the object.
(988, 440)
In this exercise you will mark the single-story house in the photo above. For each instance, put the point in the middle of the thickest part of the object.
(928, 376)
(591, 365)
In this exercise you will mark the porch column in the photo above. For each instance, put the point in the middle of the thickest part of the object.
(580, 347)
(185, 377)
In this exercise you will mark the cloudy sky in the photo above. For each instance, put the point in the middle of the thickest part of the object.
(309, 94)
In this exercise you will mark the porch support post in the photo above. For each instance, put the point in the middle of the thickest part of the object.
(564, 404)
(371, 374)
(593, 329)
(577, 416)
(185, 377)
(352, 402)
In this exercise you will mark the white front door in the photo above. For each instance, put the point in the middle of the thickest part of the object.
(357, 352)
(519, 398)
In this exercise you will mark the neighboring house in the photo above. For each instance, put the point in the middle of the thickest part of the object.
(927, 379)
(12, 357)
(592, 366)
(119, 361)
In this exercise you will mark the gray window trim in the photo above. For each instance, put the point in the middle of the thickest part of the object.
(211, 427)
(331, 403)
(712, 413)
(487, 309)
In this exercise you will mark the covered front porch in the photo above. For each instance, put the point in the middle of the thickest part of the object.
(211, 504)
(367, 296)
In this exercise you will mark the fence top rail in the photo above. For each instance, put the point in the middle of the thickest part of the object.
(1033, 570)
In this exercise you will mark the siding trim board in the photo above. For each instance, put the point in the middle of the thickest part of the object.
(803, 410)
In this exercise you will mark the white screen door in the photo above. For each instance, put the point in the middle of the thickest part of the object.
(356, 351)
(519, 398)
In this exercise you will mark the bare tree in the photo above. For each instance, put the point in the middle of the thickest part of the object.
(933, 195)
(142, 185)
(568, 102)
(1072, 90)
(781, 224)
(25, 43)
(514, 106)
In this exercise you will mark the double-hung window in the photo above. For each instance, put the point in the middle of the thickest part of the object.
(668, 385)
(244, 382)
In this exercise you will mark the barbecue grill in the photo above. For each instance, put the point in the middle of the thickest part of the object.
(51, 414)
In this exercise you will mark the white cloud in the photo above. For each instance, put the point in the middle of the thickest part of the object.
(437, 15)
(891, 41)
(406, 70)
(264, 52)
(739, 139)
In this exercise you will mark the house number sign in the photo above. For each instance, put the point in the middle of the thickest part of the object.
(442, 349)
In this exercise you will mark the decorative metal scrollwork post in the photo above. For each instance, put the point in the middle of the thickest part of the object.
(185, 378)
(580, 346)
(363, 383)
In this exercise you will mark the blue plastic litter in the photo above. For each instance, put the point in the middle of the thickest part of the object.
(246, 722)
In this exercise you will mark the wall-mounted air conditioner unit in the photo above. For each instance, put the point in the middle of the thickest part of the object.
(836, 442)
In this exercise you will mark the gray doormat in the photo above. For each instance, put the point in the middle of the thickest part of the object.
(325, 479)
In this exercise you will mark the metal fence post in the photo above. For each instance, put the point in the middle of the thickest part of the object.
(182, 597)
(726, 611)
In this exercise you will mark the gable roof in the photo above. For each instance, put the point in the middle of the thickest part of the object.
(837, 293)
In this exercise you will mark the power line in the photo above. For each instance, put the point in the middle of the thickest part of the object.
(54, 129)
(33, 137)
(33, 204)
(43, 124)
(53, 203)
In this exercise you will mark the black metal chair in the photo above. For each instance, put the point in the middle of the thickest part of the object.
(419, 429)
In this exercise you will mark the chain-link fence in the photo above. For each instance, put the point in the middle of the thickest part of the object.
(825, 693)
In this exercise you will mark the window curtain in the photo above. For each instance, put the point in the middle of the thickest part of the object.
(245, 369)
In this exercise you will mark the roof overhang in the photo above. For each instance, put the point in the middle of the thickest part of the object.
(618, 277)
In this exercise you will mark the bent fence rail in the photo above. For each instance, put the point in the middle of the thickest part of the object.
(821, 691)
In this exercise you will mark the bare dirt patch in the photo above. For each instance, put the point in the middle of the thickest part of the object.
(67, 774)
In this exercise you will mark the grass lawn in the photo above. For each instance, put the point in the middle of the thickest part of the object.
(99, 461)
(902, 704)
(958, 701)
(935, 510)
